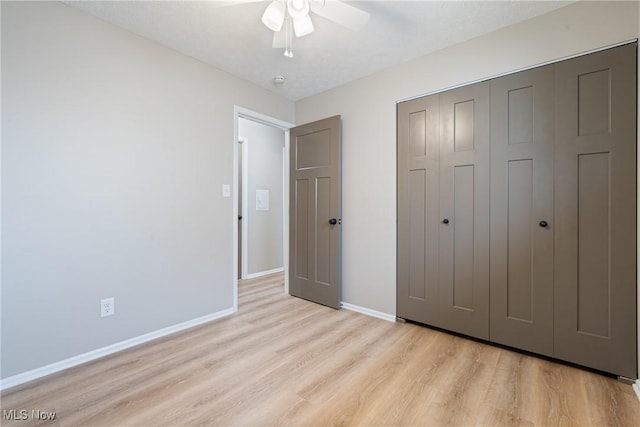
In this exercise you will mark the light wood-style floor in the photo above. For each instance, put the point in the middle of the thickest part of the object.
(284, 361)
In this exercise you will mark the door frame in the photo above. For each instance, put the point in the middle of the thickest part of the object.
(245, 113)
(243, 157)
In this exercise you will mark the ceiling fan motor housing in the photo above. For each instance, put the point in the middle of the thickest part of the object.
(298, 9)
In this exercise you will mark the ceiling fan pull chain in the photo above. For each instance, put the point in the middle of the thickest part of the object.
(288, 37)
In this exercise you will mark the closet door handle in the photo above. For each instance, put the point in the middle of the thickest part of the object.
(543, 224)
(445, 221)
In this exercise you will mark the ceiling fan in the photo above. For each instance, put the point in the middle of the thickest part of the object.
(289, 17)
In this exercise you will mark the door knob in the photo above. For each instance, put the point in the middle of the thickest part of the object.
(445, 221)
(543, 224)
(333, 221)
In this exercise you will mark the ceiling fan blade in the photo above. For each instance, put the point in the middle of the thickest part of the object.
(278, 39)
(341, 13)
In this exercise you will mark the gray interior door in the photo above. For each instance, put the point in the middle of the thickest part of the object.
(522, 210)
(595, 211)
(315, 209)
(464, 211)
(418, 216)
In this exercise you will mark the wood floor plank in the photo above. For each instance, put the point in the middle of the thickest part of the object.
(283, 361)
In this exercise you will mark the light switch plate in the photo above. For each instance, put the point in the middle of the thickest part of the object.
(226, 190)
(262, 200)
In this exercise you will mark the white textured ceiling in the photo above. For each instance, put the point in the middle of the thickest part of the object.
(233, 39)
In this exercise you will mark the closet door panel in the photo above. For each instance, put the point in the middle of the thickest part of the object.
(521, 198)
(463, 288)
(595, 210)
(418, 158)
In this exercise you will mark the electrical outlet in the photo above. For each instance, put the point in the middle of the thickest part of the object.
(107, 307)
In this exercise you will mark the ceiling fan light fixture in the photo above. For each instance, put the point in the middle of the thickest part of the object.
(298, 8)
(273, 17)
(303, 26)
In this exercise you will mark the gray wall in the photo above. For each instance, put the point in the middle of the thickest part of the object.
(264, 170)
(114, 152)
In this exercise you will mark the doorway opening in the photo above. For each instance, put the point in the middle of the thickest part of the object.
(261, 197)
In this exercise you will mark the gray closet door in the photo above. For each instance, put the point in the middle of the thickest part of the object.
(418, 159)
(463, 293)
(522, 210)
(595, 211)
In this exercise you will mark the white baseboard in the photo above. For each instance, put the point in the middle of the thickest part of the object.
(265, 273)
(34, 374)
(368, 312)
(636, 388)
